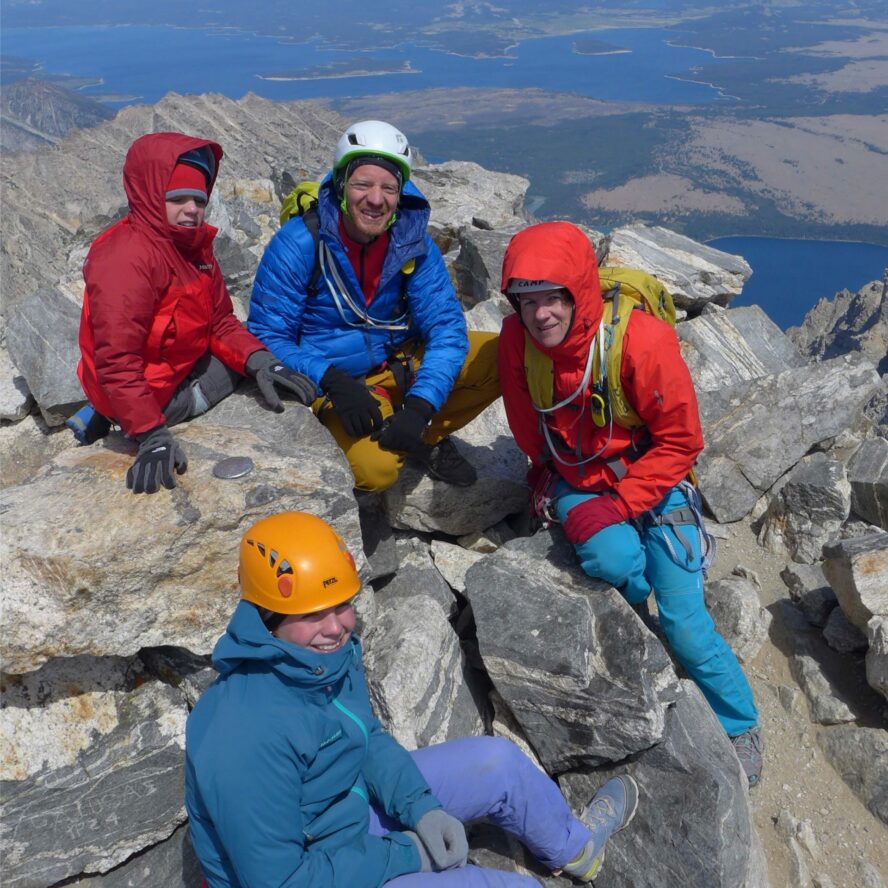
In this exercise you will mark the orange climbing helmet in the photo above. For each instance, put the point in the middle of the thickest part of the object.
(295, 563)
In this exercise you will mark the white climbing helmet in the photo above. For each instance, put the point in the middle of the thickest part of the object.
(374, 138)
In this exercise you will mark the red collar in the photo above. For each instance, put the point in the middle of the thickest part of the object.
(366, 260)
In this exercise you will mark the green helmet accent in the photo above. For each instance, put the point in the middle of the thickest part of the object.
(374, 138)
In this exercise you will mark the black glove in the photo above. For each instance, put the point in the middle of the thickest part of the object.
(402, 431)
(354, 404)
(269, 372)
(158, 455)
(444, 838)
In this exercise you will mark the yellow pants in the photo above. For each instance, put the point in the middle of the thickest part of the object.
(475, 388)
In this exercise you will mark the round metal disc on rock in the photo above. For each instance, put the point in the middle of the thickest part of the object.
(233, 467)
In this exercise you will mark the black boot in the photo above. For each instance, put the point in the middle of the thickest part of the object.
(445, 463)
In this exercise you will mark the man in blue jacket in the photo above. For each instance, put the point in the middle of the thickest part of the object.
(291, 781)
(363, 306)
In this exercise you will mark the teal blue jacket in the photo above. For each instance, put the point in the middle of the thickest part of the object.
(283, 757)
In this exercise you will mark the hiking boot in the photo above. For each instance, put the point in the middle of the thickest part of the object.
(749, 747)
(611, 809)
(445, 463)
(88, 425)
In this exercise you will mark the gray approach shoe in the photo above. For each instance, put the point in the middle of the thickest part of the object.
(749, 747)
(610, 810)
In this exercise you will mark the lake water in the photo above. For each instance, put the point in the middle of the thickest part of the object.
(143, 63)
(147, 62)
(789, 276)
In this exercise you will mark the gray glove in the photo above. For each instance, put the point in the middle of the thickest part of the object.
(444, 837)
(158, 455)
(425, 862)
(269, 372)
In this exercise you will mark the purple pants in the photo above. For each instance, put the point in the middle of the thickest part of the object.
(490, 777)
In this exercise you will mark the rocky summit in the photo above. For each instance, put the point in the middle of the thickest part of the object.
(111, 604)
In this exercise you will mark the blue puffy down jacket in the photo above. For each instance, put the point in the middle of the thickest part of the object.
(282, 755)
(308, 333)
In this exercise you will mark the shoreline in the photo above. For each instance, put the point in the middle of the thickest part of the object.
(721, 94)
(813, 240)
(292, 78)
(713, 53)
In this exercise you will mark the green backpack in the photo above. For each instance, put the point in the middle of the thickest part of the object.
(623, 291)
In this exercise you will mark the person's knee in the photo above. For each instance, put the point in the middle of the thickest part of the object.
(481, 369)
(692, 642)
(376, 474)
(212, 382)
(498, 755)
(611, 556)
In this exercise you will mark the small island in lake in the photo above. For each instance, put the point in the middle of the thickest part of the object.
(590, 46)
(363, 67)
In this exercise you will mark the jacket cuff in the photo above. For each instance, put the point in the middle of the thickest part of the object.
(404, 857)
(416, 811)
(420, 406)
(260, 358)
(622, 506)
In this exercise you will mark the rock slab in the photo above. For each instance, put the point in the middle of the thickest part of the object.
(757, 430)
(583, 677)
(868, 474)
(694, 273)
(860, 755)
(83, 577)
(123, 794)
(694, 825)
(808, 509)
(41, 336)
(857, 570)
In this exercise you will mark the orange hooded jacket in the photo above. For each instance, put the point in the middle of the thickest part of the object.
(155, 300)
(654, 376)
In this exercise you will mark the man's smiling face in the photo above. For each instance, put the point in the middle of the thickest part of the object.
(371, 195)
(546, 315)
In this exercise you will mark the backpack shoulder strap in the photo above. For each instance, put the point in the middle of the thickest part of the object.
(540, 374)
(617, 312)
(313, 225)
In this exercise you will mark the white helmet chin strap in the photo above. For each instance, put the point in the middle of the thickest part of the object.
(340, 293)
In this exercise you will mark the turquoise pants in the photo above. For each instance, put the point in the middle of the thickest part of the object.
(634, 561)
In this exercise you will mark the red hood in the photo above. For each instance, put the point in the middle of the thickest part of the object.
(146, 172)
(560, 252)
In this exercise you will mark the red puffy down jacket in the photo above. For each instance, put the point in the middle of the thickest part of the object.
(155, 300)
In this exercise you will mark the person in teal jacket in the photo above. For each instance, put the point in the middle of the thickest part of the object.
(291, 780)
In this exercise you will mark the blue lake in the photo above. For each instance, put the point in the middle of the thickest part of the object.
(146, 62)
(143, 63)
(789, 276)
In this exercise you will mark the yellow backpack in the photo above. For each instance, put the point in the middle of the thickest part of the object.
(623, 290)
(301, 200)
